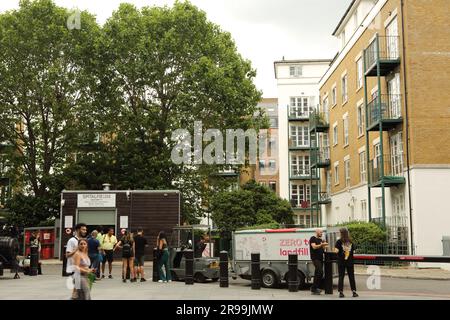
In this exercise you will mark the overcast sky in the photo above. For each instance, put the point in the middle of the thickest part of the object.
(264, 30)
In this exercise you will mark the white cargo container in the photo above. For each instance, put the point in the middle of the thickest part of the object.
(274, 247)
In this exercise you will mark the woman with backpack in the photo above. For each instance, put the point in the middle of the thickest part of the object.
(128, 249)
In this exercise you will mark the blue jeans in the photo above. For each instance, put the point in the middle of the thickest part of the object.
(164, 261)
(95, 263)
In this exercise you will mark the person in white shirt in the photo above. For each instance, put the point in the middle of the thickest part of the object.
(72, 248)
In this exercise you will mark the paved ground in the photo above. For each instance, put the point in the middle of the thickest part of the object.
(52, 286)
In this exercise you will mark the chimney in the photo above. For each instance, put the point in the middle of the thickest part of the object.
(106, 186)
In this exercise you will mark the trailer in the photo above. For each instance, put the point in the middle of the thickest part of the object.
(274, 247)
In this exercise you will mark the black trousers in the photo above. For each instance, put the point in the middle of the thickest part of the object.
(351, 276)
(318, 274)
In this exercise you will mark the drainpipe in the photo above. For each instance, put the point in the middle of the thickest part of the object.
(407, 130)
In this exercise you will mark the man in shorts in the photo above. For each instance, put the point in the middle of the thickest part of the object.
(107, 244)
(139, 257)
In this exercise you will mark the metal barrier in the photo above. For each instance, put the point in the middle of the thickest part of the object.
(223, 269)
(34, 260)
(256, 271)
(189, 271)
(331, 257)
(293, 273)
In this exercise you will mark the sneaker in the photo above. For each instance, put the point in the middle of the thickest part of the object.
(124, 280)
(355, 295)
(143, 280)
(110, 277)
(315, 292)
(341, 295)
(160, 281)
(133, 280)
(169, 281)
(103, 276)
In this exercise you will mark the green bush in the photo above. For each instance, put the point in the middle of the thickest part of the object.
(274, 225)
(365, 233)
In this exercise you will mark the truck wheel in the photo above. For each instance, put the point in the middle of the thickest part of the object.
(269, 279)
(215, 279)
(199, 277)
(301, 281)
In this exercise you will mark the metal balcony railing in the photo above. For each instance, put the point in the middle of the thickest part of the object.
(384, 107)
(320, 156)
(300, 204)
(318, 121)
(387, 169)
(383, 49)
(320, 197)
(299, 112)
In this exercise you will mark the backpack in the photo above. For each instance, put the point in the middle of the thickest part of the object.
(127, 250)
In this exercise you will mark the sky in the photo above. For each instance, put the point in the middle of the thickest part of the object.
(264, 30)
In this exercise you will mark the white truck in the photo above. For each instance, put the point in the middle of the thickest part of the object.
(274, 247)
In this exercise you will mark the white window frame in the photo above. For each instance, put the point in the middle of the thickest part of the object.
(295, 71)
(336, 174)
(344, 92)
(347, 172)
(379, 206)
(346, 129)
(335, 135)
(362, 167)
(334, 95)
(359, 73)
(364, 210)
(360, 119)
(300, 164)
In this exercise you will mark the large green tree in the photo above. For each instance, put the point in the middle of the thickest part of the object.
(253, 204)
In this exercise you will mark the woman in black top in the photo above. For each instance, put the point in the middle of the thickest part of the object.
(127, 245)
(344, 248)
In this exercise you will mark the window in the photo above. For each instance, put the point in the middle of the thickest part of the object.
(344, 89)
(377, 154)
(325, 108)
(364, 210)
(379, 204)
(360, 119)
(343, 39)
(272, 165)
(359, 73)
(336, 174)
(300, 107)
(300, 195)
(335, 135)
(299, 136)
(345, 122)
(362, 167)
(299, 165)
(273, 122)
(398, 205)
(347, 172)
(328, 183)
(263, 182)
(295, 71)
(397, 154)
(273, 186)
(334, 96)
(262, 165)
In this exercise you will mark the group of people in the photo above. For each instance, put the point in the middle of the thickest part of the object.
(344, 248)
(88, 255)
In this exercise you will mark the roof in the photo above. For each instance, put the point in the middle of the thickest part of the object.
(116, 191)
(343, 17)
(303, 61)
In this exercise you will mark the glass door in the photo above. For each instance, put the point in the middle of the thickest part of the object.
(397, 154)
(394, 97)
(392, 40)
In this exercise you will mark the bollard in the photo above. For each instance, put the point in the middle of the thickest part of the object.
(329, 272)
(189, 271)
(256, 271)
(155, 276)
(1, 268)
(223, 269)
(293, 273)
(34, 260)
(64, 267)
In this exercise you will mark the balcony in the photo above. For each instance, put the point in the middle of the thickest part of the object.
(320, 198)
(303, 174)
(295, 146)
(318, 122)
(382, 56)
(320, 157)
(298, 113)
(385, 111)
(300, 204)
(386, 171)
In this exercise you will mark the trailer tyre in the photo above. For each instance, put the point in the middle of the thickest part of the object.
(199, 277)
(269, 279)
(301, 281)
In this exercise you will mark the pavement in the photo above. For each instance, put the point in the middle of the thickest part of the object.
(52, 286)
